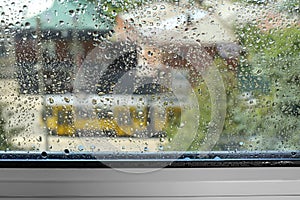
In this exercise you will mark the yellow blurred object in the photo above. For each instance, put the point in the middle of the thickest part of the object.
(74, 117)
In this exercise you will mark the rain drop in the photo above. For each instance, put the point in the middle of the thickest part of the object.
(27, 25)
(80, 147)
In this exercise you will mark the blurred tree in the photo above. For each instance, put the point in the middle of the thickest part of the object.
(291, 6)
(112, 8)
(270, 120)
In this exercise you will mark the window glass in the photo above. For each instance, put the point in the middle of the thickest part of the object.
(149, 76)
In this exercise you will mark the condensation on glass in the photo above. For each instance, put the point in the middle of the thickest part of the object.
(139, 76)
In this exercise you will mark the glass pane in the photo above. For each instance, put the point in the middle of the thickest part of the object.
(149, 76)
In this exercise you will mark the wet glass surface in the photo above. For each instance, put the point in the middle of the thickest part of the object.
(149, 77)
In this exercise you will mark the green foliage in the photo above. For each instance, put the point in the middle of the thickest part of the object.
(231, 126)
(291, 6)
(271, 121)
(264, 114)
(281, 42)
(205, 114)
(112, 8)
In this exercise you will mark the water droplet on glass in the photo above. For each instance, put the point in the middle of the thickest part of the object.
(27, 25)
(113, 13)
(44, 154)
(51, 100)
(67, 100)
(217, 158)
(80, 147)
(105, 8)
(34, 36)
(72, 13)
(66, 151)
(92, 147)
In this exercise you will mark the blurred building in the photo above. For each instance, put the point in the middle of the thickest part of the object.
(56, 41)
